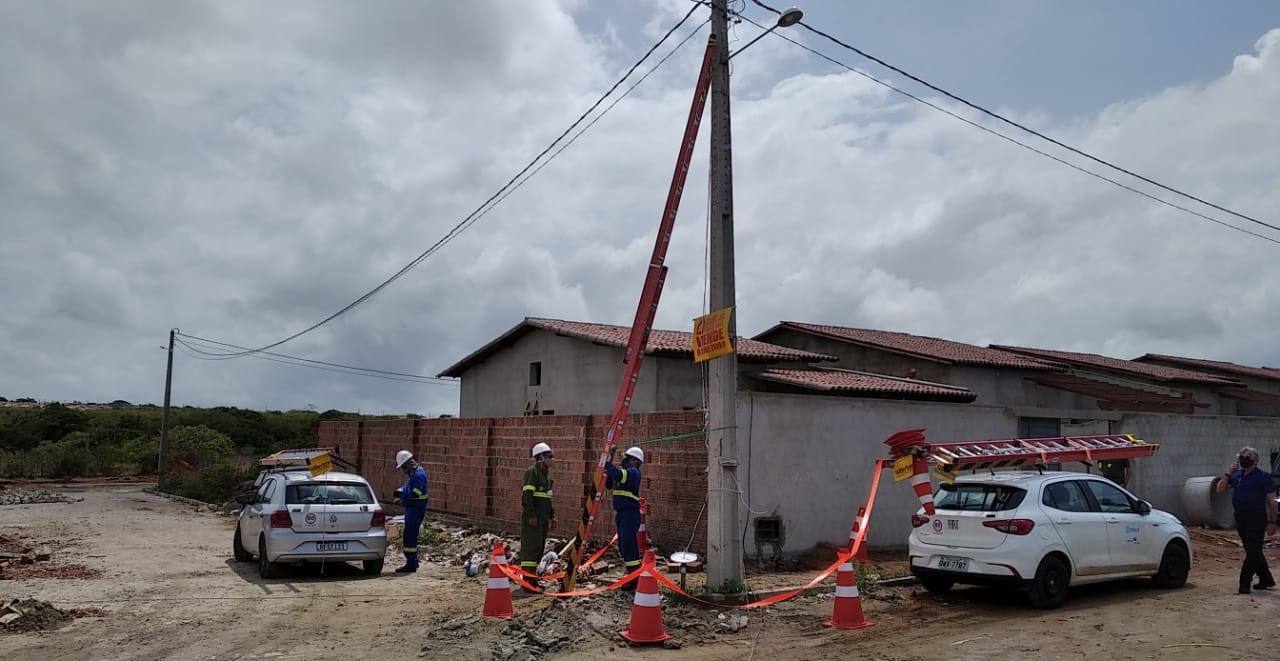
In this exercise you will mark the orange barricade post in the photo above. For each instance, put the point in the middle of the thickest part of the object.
(847, 613)
(497, 598)
(646, 611)
(859, 522)
(642, 535)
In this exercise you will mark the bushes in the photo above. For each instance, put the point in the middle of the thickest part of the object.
(215, 484)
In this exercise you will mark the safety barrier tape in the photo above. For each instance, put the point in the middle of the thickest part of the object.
(590, 561)
(514, 573)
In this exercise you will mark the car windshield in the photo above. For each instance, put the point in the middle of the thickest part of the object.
(978, 497)
(328, 493)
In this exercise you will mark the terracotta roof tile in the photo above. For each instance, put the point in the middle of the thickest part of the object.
(673, 342)
(861, 383)
(1213, 366)
(664, 342)
(932, 348)
(1146, 370)
(1115, 397)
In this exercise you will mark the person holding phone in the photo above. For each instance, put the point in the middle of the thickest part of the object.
(1254, 502)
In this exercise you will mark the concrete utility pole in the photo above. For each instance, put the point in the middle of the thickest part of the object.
(163, 460)
(724, 525)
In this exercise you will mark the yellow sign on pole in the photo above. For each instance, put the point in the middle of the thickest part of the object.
(902, 467)
(320, 464)
(711, 335)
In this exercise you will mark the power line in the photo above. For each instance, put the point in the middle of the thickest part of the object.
(484, 207)
(1019, 143)
(203, 354)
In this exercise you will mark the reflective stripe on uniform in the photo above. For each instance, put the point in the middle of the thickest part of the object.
(633, 563)
(419, 492)
(529, 564)
(624, 477)
(528, 487)
(649, 599)
(541, 494)
(628, 494)
(410, 549)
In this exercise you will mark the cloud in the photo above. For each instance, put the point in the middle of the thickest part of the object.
(241, 171)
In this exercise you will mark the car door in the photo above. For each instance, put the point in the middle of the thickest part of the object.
(255, 513)
(1083, 530)
(1130, 536)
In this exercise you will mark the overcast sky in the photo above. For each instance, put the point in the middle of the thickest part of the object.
(241, 170)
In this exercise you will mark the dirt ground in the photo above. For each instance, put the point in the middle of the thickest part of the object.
(143, 577)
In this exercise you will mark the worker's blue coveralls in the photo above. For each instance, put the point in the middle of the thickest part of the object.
(625, 483)
(413, 495)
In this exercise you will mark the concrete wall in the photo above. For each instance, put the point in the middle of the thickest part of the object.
(578, 378)
(810, 461)
(1192, 446)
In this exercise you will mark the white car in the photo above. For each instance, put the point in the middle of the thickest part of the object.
(295, 517)
(1044, 533)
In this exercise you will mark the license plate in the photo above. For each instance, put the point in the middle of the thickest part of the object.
(331, 546)
(954, 564)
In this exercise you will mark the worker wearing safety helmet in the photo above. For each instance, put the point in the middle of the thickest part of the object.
(413, 495)
(537, 513)
(624, 481)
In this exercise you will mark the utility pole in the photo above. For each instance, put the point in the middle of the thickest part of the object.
(163, 461)
(724, 525)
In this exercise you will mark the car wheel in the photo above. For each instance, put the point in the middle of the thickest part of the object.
(373, 567)
(935, 584)
(237, 549)
(266, 568)
(1175, 564)
(1049, 587)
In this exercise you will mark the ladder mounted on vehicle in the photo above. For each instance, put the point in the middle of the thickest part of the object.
(947, 459)
(316, 460)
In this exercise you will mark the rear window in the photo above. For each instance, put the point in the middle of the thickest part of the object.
(978, 497)
(328, 493)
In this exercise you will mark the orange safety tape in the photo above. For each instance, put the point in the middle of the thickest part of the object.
(513, 574)
(841, 559)
(590, 561)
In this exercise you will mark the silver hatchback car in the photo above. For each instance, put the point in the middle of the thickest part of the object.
(294, 516)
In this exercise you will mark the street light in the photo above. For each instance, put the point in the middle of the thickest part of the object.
(786, 19)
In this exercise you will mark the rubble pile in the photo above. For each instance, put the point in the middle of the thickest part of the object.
(470, 551)
(19, 615)
(32, 497)
(19, 560)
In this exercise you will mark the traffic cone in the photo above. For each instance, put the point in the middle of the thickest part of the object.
(646, 610)
(858, 523)
(497, 598)
(847, 613)
(642, 535)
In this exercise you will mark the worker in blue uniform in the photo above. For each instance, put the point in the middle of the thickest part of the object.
(624, 482)
(413, 495)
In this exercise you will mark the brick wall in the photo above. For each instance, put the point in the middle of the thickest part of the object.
(475, 467)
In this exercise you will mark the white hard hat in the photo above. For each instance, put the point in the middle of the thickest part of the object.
(635, 453)
(540, 448)
(403, 456)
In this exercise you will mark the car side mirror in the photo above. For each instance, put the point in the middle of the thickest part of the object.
(1144, 508)
(247, 498)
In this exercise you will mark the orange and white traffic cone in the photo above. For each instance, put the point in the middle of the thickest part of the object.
(642, 535)
(921, 485)
(497, 598)
(847, 613)
(859, 522)
(646, 610)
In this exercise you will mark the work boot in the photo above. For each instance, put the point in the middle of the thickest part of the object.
(630, 586)
(1264, 585)
(534, 583)
(407, 569)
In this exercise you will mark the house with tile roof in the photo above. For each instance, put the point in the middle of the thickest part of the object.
(1259, 393)
(552, 366)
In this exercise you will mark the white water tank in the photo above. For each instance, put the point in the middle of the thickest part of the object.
(1204, 506)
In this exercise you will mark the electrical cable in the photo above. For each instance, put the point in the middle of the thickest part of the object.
(1019, 143)
(202, 354)
(1017, 125)
(484, 207)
